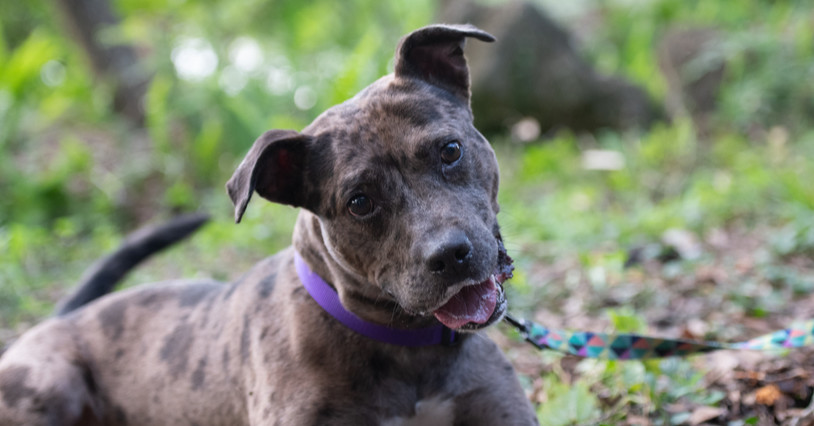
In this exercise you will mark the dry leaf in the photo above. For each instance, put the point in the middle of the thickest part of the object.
(637, 421)
(722, 365)
(676, 408)
(768, 395)
(704, 413)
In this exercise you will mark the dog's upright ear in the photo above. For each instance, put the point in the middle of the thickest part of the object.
(435, 54)
(275, 168)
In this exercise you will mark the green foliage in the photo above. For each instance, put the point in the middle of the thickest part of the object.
(669, 180)
(626, 321)
(279, 68)
(276, 70)
(795, 238)
(767, 48)
(570, 404)
(75, 176)
(68, 162)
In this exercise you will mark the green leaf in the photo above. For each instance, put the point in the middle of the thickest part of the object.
(569, 405)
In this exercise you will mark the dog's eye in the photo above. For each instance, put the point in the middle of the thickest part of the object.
(451, 152)
(360, 205)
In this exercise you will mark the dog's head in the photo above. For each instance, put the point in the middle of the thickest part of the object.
(399, 186)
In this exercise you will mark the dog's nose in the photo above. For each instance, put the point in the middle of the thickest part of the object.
(451, 258)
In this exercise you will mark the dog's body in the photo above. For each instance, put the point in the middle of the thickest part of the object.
(398, 192)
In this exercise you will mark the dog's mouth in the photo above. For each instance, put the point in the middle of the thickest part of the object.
(481, 304)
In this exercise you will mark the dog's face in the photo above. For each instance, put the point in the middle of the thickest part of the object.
(403, 186)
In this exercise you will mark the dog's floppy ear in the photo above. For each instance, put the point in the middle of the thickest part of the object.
(274, 167)
(435, 54)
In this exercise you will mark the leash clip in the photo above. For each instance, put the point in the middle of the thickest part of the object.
(523, 327)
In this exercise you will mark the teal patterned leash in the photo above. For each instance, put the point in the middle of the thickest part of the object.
(633, 346)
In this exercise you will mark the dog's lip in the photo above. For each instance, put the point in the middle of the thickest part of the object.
(476, 319)
(458, 288)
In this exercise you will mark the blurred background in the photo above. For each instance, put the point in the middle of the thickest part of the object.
(656, 155)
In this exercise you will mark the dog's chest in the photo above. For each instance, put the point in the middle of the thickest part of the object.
(434, 411)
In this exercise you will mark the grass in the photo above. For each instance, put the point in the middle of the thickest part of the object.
(720, 227)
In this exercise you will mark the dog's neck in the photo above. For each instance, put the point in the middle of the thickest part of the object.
(363, 299)
(327, 298)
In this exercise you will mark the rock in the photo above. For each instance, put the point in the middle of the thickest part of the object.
(535, 72)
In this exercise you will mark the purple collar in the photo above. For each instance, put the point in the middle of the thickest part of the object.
(328, 299)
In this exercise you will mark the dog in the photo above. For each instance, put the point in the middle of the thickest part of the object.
(372, 317)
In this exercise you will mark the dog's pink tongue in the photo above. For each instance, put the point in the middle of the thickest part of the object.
(475, 303)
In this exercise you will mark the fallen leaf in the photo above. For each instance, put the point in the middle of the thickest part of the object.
(676, 408)
(748, 399)
(750, 375)
(768, 395)
(684, 242)
(637, 421)
(705, 413)
(734, 398)
(722, 365)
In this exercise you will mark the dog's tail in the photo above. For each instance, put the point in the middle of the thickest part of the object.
(103, 275)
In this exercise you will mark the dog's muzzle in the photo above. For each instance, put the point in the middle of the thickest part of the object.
(481, 304)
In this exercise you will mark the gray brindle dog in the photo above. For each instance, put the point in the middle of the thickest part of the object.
(398, 193)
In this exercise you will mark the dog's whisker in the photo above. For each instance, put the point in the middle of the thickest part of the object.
(393, 314)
